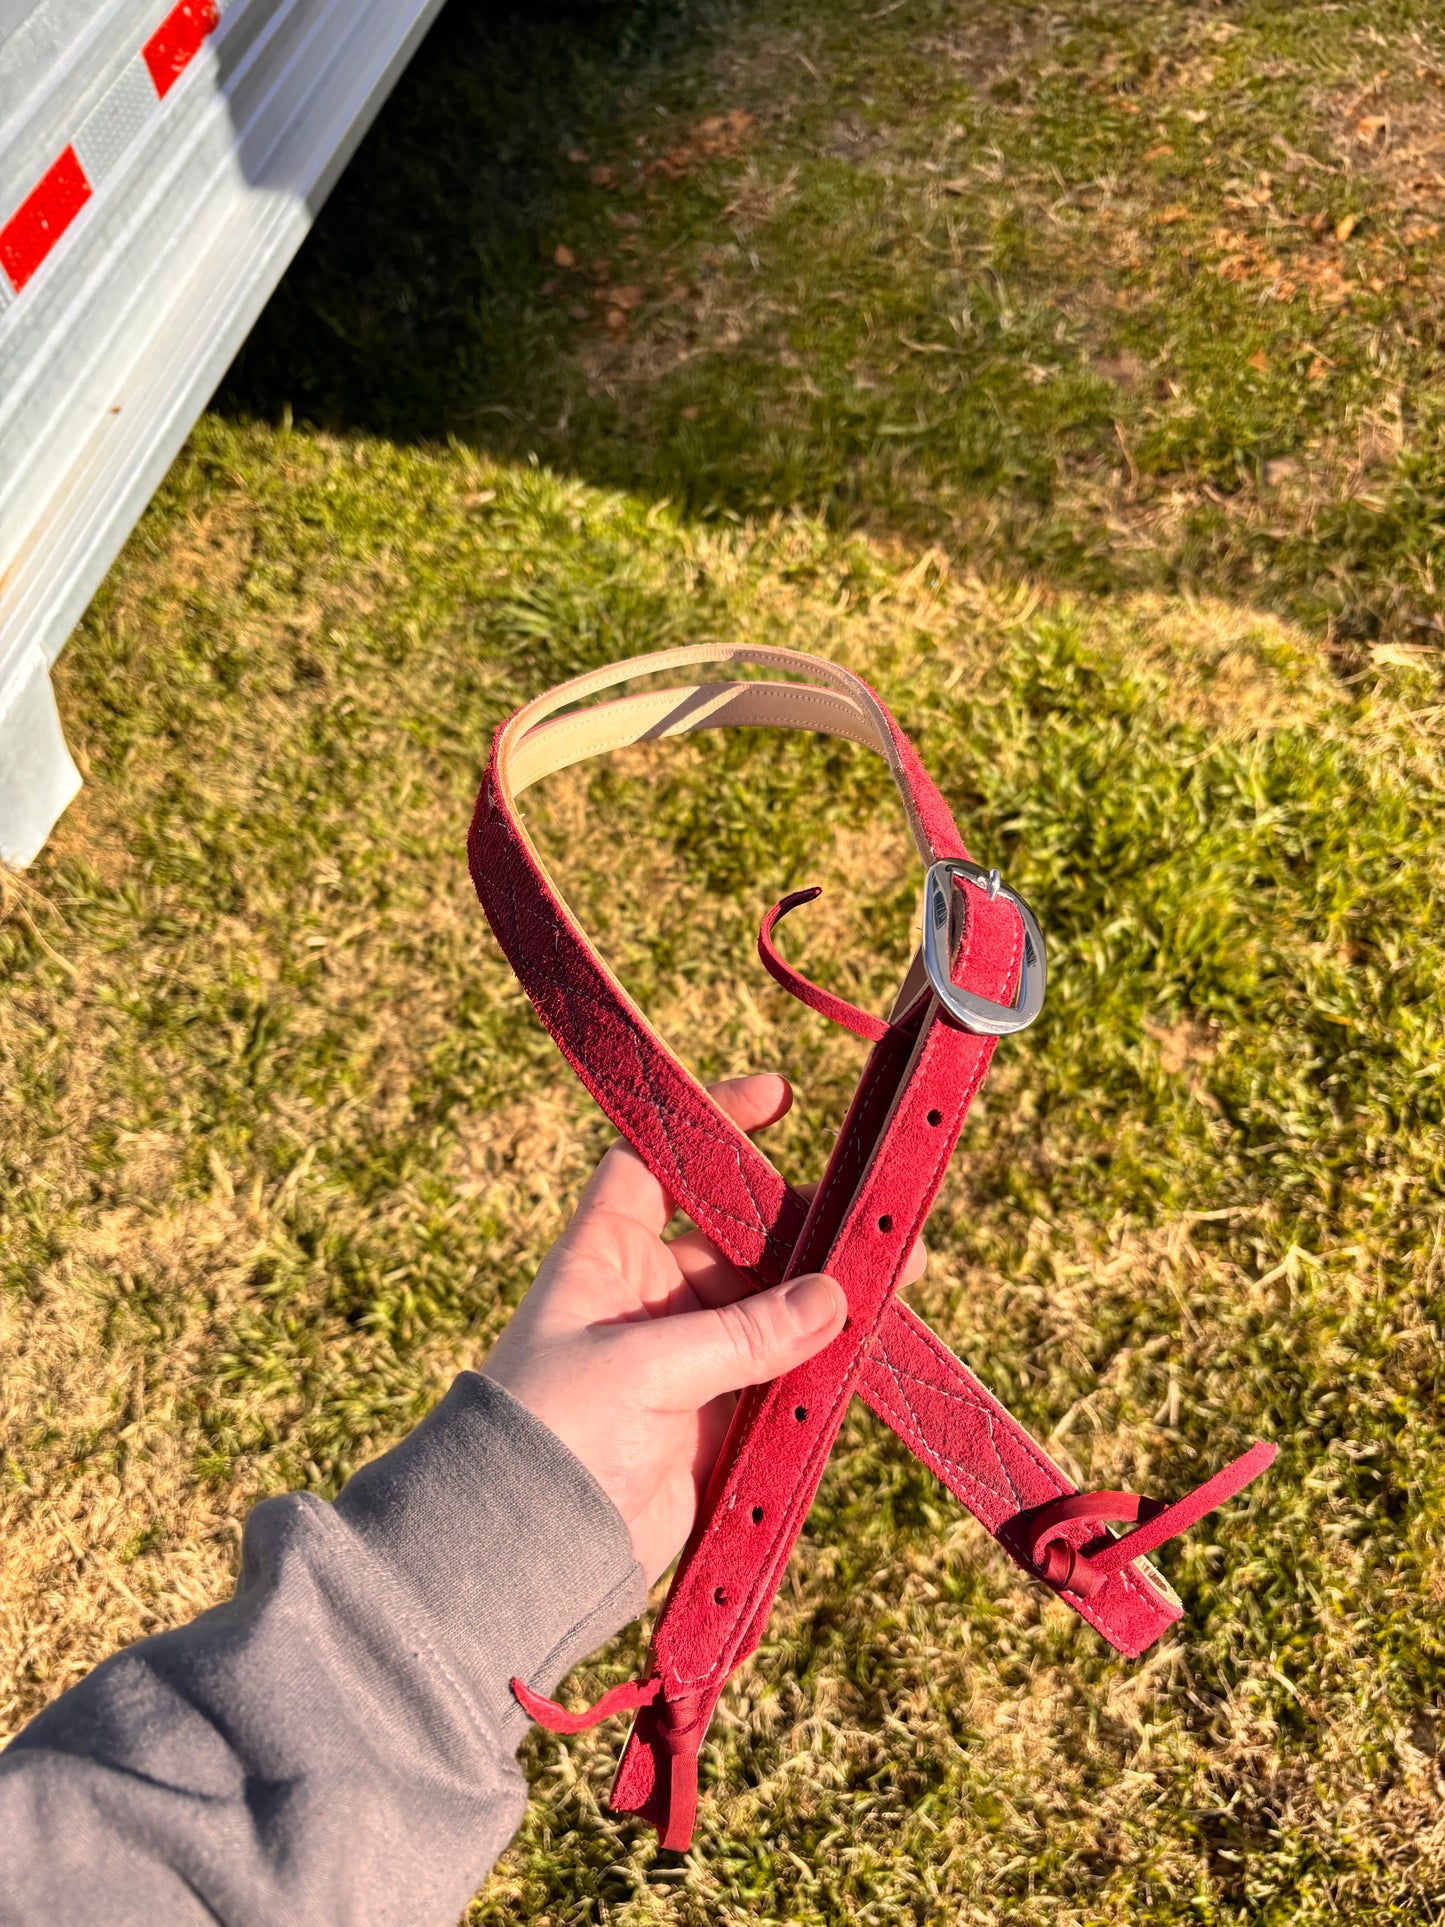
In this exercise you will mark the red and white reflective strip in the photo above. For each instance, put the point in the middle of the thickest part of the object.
(116, 120)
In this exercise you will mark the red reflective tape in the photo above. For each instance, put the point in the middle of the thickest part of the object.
(42, 217)
(177, 40)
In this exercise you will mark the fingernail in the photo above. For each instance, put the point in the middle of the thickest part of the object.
(811, 1303)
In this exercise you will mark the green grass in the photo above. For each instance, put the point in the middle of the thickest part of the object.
(897, 335)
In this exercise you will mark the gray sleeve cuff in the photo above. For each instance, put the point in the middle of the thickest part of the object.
(521, 1562)
(337, 1741)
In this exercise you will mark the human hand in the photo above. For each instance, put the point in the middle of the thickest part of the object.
(630, 1349)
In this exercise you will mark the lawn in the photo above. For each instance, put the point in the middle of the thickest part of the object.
(1074, 374)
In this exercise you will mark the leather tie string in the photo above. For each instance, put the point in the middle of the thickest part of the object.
(681, 1724)
(680, 1729)
(827, 1003)
(1083, 1570)
(631, 1695)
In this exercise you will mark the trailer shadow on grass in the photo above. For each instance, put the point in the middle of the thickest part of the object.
(1114, 301)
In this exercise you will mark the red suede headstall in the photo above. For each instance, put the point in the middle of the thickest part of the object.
(979, 975)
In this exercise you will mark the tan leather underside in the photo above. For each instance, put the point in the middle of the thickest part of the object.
(532, 746)
(536, 742)
(555, 744)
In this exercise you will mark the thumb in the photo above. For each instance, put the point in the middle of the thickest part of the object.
(697, 1355)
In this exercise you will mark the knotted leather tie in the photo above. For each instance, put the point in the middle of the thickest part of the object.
(927, 1061)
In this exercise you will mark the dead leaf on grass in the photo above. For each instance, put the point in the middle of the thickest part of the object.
(1123, 368)
(714, 138)
(1346, 226)
(563, 257)
(1191, 1041)
(1404, 655)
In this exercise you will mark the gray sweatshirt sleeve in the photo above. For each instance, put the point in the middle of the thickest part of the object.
(336, 1743)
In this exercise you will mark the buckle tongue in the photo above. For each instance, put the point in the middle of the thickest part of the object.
(979, 1014)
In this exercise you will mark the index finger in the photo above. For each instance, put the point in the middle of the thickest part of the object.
(623, 1183)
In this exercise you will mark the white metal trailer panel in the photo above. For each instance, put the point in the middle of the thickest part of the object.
(159, 166)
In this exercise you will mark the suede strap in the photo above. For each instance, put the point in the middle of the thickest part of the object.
(886, 1167)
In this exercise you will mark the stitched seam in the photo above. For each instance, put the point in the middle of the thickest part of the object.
(677, 1184)
(907, 1419)
(1041, 1459)
(1042, 1462)
(854, 1159)
(828, 1431)
(744, 1615)
(1094, 1611)
(611, 1001)
(1035, 1451)
(640, 1034)
(791, 1521)
(812, 1469)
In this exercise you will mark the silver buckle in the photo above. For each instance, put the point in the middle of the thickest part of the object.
(979, 1014)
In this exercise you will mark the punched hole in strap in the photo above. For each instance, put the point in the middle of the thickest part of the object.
(1085, 1571)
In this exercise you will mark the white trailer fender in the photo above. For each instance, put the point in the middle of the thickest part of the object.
(158, 169)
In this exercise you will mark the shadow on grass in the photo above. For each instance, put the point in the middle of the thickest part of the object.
(943, 286)
(414, 311)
